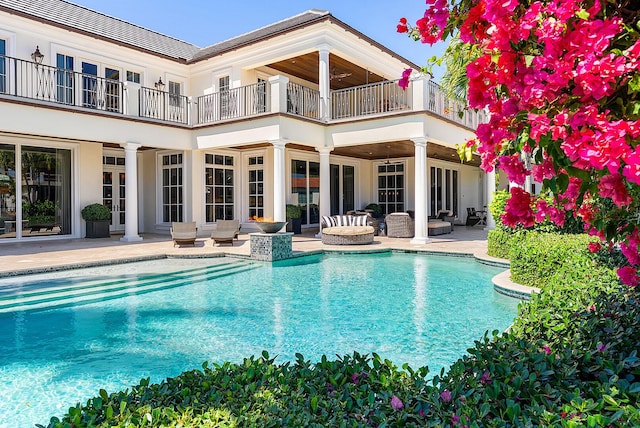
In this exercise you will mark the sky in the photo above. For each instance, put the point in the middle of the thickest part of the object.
(205, 22)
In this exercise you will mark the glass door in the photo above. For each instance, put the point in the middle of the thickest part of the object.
(113, 191)
(305, 189)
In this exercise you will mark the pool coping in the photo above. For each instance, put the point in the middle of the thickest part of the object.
(501, 283)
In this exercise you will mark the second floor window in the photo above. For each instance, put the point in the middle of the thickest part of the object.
(133, 77)
(3, 67)
(64, 79)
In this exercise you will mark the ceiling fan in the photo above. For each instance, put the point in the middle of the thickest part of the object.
(339, 76)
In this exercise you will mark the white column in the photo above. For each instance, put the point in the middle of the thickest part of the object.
(324, 82)
(421, 231)
(325, 184)
(278, 92)
(490, 178)
(131, 192)
(279, 201)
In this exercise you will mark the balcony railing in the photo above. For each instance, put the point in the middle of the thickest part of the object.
(370, 99)
(234, 103)
(155, 104)
(437, 102)
(27, 79)
(303, 101)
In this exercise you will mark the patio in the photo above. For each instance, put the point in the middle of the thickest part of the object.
(27, 257)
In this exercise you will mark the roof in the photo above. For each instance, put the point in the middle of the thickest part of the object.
(73, 17)
(270, 30)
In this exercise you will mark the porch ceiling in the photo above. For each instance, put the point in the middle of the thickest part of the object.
(392, 150)
(343, 73)
(401, 149)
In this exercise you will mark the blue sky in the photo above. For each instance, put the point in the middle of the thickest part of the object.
(204, 22)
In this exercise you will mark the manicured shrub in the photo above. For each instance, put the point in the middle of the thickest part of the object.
(536, 258)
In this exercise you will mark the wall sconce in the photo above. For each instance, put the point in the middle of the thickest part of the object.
(37, 56)
(159, 84)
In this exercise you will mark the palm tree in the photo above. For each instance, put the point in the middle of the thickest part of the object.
(456, 57)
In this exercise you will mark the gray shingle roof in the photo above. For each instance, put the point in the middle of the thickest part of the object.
(270, 30)
(79, 18)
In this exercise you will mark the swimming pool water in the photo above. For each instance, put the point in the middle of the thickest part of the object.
(424, 310)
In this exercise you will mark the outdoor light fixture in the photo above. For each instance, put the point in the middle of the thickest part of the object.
(37, 56)
(159, 84)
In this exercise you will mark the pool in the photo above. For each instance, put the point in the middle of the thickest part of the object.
(108, 327)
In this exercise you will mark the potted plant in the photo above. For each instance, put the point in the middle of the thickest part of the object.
(98, 218)
(376, 210)
(294, 218)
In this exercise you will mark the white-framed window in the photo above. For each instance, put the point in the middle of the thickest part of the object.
(219, 175)
(3, 66)
(133, 77)
(175, 90)
(444, 189)
(171, 168)
(225, 96)
(391, 187)
(255, 182)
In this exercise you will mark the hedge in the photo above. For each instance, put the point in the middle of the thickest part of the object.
(570, 359)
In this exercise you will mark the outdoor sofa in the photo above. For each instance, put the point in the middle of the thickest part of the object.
(347, 230)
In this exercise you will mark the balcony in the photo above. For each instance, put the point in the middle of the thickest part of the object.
(55, 86)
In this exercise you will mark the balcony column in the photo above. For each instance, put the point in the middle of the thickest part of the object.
(421, 231)
(131, 192)
(325, 184)
(490, 178)
(279, 201)
(324, 82)
(279, 85)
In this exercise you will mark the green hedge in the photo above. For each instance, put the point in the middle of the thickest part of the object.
(570, 359)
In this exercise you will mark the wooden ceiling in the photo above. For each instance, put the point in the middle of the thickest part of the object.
(390, 150)
(343, 74)
(401, 149)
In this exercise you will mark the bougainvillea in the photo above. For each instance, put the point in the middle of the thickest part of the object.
(561, 81)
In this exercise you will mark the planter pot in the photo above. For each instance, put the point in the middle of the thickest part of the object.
(98, 228)
(294, 225)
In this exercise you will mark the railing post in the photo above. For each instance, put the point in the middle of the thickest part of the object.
(278, 93)
(131, 105)
(189, 111)
(419, 87)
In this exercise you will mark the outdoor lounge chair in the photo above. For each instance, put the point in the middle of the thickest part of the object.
(225, 232)
(399, 225)
(184, 233)
(472, 217)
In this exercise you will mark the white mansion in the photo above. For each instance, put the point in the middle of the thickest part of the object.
(306, 111)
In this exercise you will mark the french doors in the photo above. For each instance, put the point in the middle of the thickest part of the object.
(113, 195)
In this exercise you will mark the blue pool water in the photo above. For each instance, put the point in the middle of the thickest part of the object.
(424, 310)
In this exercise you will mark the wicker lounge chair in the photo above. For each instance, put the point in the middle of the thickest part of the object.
(399, 225)
(225, 232)
(184, 233)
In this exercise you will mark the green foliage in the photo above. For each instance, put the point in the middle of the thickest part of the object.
(293, 211)
(96, 212)
(501, 240)
(377, 209)
(39, 212)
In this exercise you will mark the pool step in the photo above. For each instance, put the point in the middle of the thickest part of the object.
(97, 290)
